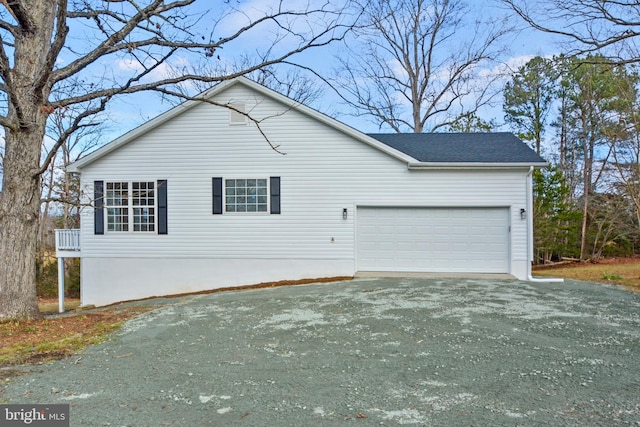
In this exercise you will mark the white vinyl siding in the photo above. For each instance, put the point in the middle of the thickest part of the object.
(322, 170)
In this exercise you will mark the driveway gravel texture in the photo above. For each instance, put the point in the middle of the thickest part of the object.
(371, 351)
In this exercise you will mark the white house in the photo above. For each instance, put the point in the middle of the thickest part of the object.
(198, 199)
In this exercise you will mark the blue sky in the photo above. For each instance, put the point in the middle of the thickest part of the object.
(128, 112)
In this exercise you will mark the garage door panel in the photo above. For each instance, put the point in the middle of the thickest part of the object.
(407, 247)
(433, 239)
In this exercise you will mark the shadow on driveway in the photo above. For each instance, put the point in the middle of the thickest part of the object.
(372, 351)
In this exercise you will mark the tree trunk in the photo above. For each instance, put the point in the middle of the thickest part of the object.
(588, 148)
(42, 234)
(24, 132)
(586, 189)
(19, 223)
(584, 228)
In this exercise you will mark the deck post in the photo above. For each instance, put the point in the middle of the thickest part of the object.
(60, 285)
(67, 246)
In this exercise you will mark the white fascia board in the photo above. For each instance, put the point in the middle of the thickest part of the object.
(469, 165)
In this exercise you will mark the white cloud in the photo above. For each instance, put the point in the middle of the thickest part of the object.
(129, 64)
(165, 70)
(244, 15)
(505, 68)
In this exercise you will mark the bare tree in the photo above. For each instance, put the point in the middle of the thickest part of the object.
(60, 189)
(610, 217)
(290, 81)
(610, 28)
(598, 96)
(50, 46)
(293, 84)
(414, 64)
(91, 134)
(624, 140)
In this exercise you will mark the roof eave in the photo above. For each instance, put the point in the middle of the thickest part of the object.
(473, 165)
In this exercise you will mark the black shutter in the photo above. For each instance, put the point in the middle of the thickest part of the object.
(98, 207)
(217, 196)
(162, 206)
(274, 185)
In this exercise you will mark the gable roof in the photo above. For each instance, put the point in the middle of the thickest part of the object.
(404, 147)
(217, 89)
(498, 147)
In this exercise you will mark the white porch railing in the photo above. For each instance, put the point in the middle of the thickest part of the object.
(67, 246)
(68, 240)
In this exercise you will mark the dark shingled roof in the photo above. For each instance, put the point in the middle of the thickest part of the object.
(499, 147)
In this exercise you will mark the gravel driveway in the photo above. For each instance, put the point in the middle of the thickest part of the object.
(363, 352)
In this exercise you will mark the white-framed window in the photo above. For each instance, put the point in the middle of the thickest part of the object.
(246, 195)
(131, 206)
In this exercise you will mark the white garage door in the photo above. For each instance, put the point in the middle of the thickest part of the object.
(433, 239)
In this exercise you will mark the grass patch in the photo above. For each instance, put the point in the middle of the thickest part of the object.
(54, 338)
(620, 272)
(50, 305)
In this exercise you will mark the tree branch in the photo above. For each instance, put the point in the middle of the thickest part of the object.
(68, 132)
(110, 44)
(595, 26)
(19, 12)
(411, 65)
(61, 32)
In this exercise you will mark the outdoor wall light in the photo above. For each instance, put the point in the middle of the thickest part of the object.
(523, 214)
(344, 213)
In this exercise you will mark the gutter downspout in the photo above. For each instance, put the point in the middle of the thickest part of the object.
(530, 233)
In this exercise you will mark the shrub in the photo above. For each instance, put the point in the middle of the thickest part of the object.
(47, 278)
